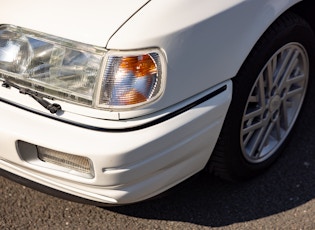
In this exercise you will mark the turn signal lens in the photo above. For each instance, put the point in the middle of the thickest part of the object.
(131, 80)
(141, 66)
(132, 97)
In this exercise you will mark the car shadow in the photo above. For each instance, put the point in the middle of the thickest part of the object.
(209, 201)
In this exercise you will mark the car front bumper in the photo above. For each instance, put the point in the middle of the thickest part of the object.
(128, 165)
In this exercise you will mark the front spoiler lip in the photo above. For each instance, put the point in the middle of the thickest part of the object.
(67, 196)
(130, 129)
(50, 191)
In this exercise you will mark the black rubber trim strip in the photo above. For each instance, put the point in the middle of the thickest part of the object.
(146, 125)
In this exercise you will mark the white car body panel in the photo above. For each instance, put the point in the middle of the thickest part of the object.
(205, 44)
(90, 22)
(183, 28)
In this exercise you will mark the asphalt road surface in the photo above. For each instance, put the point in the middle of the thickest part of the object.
(281, 198)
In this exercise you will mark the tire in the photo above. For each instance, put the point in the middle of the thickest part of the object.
(268, 93)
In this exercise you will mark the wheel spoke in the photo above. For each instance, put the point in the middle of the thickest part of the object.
(296, 79)
(294, 92)
(293, 63)
(248, 137)
(253, 99)
(283, 65)
(265, 137)
(257, 141)
(253, 127)
(253, 114)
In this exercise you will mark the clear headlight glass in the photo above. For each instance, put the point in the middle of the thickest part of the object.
(77, 72)
(59, 68)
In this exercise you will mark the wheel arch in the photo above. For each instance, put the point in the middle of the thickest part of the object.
(290, 28)
(303, 8)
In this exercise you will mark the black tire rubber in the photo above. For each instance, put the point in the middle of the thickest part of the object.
(227, 160)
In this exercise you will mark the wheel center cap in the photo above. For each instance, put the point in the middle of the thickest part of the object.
(275, 103)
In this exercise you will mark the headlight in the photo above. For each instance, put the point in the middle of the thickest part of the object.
(80, 73)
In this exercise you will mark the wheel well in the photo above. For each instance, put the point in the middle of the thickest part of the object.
(305, 9)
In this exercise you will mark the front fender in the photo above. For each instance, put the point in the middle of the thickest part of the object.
(205, 42)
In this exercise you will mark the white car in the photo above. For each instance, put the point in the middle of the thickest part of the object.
(116, 101)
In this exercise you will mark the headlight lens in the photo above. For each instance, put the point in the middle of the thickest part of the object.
(47, 64)
(77, 72)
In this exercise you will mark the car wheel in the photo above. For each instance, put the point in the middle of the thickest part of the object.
(268, 93)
